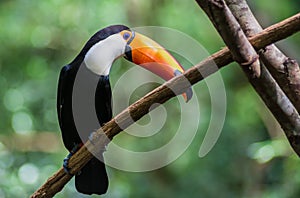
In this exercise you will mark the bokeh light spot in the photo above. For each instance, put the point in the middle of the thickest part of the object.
(265, 154)
(22, 123)
(28, 173)
(13, 100)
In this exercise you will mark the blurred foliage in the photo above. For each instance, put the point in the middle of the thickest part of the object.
(252, 158)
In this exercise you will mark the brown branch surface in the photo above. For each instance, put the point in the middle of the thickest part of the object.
(160, 95)
(284, 69)
(232, 34)
(268, 89)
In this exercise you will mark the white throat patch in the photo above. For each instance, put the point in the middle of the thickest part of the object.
(101, 56)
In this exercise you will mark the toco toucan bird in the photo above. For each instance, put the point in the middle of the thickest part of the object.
(88, 76)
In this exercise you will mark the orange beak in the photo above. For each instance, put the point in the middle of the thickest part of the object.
(145, 52)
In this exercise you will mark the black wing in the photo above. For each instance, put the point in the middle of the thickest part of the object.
(60, 96)
(64, 107)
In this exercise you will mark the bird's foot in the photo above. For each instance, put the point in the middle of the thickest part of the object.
(66, 160)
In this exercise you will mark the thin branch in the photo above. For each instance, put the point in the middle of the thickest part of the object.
(233, 36)
(160, 95)
(268, 89)
(284, 69)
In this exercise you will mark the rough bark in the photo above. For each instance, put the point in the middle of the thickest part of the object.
(284, 69)
(267, 88)
(233, 36)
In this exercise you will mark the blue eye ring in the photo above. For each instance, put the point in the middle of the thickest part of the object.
(126, 35)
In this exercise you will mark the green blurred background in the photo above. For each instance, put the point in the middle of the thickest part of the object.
(252, 158)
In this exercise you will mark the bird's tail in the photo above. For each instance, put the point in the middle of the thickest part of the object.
(93, 178)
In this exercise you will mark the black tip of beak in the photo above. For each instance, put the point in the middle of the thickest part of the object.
(189, 91)
(128, 54)
(189, 94)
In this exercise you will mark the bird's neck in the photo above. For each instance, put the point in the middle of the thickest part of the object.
(101, 56)
(100, 68)
(98, 60)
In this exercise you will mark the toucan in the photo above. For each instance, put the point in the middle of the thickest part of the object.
(89, 73)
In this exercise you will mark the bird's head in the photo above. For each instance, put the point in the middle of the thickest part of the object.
(116, 41)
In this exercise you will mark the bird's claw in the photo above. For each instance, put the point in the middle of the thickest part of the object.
(66, 163)
(66, 160)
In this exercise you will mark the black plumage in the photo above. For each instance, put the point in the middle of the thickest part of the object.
(81, 94)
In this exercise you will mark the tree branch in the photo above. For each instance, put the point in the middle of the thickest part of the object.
(284, 69)
(160, 95)
(268, 89)
(232, 34)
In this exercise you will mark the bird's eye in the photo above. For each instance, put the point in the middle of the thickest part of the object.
(126, 35)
